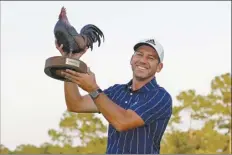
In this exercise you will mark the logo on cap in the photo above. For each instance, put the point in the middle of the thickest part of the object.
(152, 41)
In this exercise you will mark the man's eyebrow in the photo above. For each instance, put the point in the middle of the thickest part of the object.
(138, 52)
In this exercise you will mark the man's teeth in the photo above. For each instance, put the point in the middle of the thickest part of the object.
(141, 67)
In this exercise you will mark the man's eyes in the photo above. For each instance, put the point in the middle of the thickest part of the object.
(149, 57)
(138, 54)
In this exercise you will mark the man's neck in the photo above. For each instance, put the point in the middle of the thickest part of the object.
(137, 84)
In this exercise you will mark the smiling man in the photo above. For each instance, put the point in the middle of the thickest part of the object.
(138, 112)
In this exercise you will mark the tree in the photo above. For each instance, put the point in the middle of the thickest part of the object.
(4, 150)
(27, 148)
(85, 127)
(47, 148)
(96, 146)
(214, 110)
(203, 141)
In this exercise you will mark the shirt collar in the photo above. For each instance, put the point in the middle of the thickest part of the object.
(146, 88)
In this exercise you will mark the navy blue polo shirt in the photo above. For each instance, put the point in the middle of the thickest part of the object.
(153, 104)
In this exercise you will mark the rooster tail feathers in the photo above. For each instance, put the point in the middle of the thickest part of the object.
(93, 33)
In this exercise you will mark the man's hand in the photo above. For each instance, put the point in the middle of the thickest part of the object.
(75, 55)
(86, 81)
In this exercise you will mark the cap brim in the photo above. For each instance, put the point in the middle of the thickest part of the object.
(143, 43)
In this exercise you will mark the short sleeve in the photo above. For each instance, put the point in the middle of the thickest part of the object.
(158, 105)
(108, 91)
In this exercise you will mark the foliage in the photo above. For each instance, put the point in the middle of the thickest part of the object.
(214, 109)
(85, 127)
(204, 141)
(4, 150)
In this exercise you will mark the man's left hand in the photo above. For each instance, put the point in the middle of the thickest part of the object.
(86, 81)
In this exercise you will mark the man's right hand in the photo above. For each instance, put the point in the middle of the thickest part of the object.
(75, 55)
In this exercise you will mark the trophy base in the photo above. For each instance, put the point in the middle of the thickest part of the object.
(54, 66)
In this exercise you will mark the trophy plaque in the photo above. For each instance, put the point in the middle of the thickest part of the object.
(73, 42)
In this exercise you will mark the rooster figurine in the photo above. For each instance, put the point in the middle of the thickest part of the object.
(73, 41)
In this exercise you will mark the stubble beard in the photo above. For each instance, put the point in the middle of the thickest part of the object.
(142, 78)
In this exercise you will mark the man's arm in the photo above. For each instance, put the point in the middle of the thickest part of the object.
(75, 102)
(120, 118)
(158, 106)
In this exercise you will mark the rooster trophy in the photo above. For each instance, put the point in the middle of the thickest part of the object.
(73, 42)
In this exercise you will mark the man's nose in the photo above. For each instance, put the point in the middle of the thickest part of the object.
(143, 59)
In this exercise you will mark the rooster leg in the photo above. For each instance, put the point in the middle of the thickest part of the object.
(70, 53)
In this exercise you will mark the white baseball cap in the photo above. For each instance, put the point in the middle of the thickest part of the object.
(154, 44)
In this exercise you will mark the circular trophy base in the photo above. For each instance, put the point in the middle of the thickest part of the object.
(54, 66)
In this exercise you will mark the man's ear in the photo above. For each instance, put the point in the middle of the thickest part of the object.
(131, 59)
(159, 67)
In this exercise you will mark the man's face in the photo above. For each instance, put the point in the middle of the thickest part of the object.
(145, 63)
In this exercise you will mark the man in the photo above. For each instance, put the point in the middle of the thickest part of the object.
(138, 111)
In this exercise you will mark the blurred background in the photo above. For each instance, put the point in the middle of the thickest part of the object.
(196, 37)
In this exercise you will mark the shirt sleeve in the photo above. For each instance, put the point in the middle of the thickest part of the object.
(108, 91)
(158, 105)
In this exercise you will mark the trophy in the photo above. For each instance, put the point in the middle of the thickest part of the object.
(73, 42)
